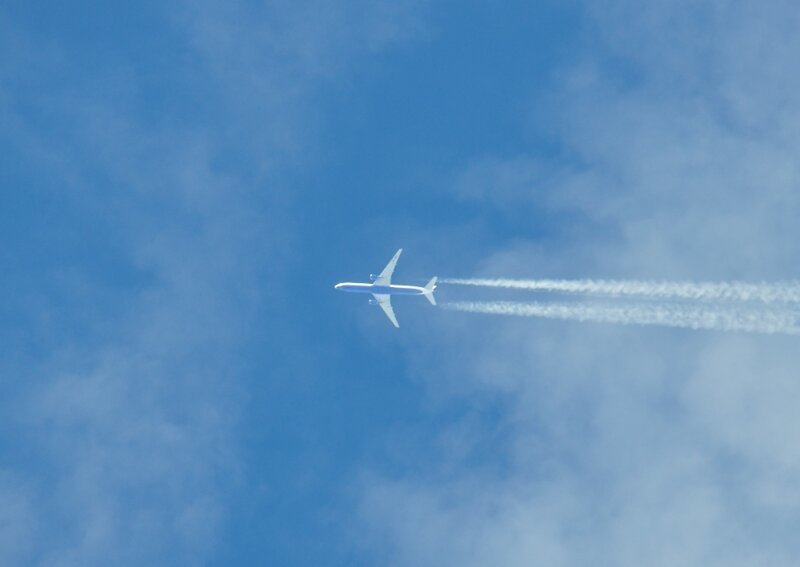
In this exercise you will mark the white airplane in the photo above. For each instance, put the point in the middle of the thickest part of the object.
(382, 289)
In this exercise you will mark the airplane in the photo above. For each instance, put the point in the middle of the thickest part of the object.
(382, 289)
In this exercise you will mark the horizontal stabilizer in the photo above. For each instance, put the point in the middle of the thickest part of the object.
(430, 287)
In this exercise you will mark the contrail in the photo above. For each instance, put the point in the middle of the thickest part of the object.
(710, 317)
(783, 292)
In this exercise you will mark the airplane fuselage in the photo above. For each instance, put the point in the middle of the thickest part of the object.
(380, 289)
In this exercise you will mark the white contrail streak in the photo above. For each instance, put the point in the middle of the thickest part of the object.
(783, 292)
(711, 317)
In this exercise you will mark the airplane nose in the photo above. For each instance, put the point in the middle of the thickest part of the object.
(337, 286)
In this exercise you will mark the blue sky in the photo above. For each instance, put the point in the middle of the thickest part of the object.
(184, 182)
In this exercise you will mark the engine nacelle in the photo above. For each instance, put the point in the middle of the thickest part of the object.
(373, 277)
(373, 301)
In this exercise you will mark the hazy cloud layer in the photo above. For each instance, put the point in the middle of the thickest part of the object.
(128, 390)
(619, 446)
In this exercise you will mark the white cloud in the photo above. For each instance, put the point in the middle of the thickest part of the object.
(16, 519)
(133, 422)
(620, 446)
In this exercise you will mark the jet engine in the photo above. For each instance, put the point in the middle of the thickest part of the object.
(373, 277)
(373, 301)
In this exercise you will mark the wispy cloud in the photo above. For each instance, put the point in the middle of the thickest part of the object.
(622, 445)
(129, 395)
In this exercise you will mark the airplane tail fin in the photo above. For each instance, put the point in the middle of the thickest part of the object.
(430, 287)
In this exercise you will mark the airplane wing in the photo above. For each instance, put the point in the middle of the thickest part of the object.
(385, 277)
(385, 301)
